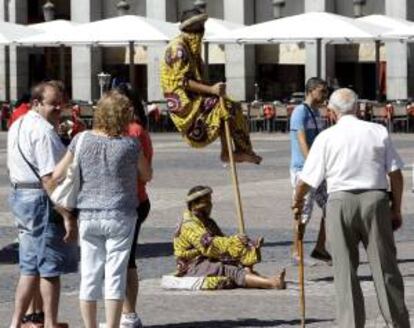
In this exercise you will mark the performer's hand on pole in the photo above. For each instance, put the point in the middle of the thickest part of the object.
(243, 238)
(219, 89)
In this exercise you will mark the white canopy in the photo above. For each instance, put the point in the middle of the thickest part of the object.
(397, 27)
(52, 31)
(10, 32)
(216, 26)
(213, 26)
(117, 31)
(309, 26)
(403, 33)
(387, 22)
(58, 25)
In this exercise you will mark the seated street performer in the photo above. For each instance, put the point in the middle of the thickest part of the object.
(202, 250)
(195, 106)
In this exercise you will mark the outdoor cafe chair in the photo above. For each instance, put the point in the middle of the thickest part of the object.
(255, 116)
(382, 114)
(282, 116)
(399, 116)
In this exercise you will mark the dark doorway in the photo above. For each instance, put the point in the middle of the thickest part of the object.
(120, 73)
(278, 82)
(37, 68)
(359, 77)
(216, 73)
(45, 66)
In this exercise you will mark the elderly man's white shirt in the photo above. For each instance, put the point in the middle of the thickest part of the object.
(40, 145)
(353, 154)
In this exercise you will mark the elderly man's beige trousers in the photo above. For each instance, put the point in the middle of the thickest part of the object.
(364, 216)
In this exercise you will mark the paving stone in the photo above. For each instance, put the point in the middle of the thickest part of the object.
(266, 196)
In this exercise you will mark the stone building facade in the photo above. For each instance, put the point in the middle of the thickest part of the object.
(278, 70)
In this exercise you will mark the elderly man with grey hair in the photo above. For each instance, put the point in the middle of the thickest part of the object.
(356, 157)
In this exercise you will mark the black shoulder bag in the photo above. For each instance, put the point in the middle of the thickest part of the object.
(313, 117)
(32, 167)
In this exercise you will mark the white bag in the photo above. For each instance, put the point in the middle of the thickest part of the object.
(66, 193)
(184, 283)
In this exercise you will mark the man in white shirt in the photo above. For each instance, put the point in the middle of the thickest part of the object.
(355, 157)
(33, 150)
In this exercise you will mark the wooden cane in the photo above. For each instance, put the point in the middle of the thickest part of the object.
(300, 232)
(233, 171)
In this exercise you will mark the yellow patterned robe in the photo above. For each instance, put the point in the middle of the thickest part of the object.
(198, 117)
(195, 241)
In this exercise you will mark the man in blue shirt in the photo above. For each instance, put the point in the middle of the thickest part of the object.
(305, 124)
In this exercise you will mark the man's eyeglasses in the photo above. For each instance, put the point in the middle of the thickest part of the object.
(55, 105)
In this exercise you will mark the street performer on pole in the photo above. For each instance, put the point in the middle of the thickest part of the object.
(195, 106)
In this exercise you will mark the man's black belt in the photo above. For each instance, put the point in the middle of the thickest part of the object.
(360, 191)
(27, 185)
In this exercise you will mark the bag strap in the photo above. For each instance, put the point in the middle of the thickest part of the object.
(32, 167)
(78, 145)
(313, 116)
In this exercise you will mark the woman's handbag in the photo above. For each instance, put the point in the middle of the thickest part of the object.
(66, 193)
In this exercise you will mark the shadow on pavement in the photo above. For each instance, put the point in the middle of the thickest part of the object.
(148, 250)
(10, 254)
(410, 275)
(405, 261)
(330, 278)
(399, 261)
(361, 278)
(284, 243)
(239, 323)
(162, 249)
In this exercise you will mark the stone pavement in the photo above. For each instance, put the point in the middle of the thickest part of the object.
(266, 195)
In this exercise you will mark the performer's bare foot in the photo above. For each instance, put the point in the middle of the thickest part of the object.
(279, 280)
(242, 158)
(255, 280)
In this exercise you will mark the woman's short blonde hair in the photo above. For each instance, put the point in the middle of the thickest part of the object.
(112, 114)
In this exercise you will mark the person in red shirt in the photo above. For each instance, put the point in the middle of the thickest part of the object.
(137, 129)
(21, 108)
(78, 124)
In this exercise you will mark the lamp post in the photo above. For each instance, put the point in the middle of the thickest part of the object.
(256, 91)
(49, 15)
(201, 5)
(103, 80)
(358, 6)
(122, 7)
(6, 9)
(277, 8)
(48, 11)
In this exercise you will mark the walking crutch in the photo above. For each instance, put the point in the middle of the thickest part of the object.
(233, 171)
(300, 231)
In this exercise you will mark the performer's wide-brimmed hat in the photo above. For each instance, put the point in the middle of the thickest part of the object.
(192, 17)
(198, 192)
